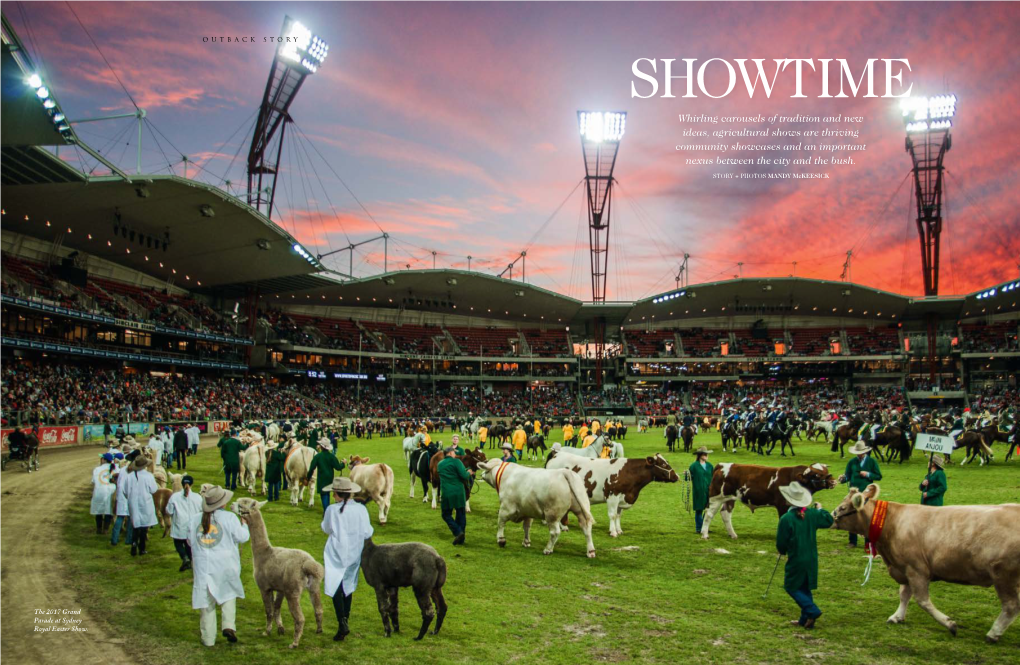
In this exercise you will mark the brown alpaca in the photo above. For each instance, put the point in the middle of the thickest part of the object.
(287, 572)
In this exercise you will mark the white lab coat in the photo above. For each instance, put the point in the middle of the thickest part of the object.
(103, 488)
(140, 503)
(155, 448)
(124, 481)
(168, 442)
(182, 509)
(193, 436)
(347, 532)
(216, 559)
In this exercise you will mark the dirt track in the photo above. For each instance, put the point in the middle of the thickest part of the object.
(32, 576)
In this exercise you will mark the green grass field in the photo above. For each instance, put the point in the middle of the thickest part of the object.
(657, 594)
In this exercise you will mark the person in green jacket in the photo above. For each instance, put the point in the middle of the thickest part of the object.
(454, 481)
(795, 538)
(700, 473)
(860, 472)
(933, 488)
(325, 462)
(230, 452)
(274, 469)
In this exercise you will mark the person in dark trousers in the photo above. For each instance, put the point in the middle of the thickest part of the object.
(933, 487)
(796, 538)
(701, 478)
(274, 469)
(347, 526)
(182, 507)
(455, 481)
(181, 448)
(230, 452)
(107, 432)
(860, 472)
(325, 462)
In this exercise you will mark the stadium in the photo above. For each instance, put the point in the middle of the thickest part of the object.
(138, 302)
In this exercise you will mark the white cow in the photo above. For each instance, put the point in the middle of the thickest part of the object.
(253, 468)
(299, 460)
(273, 431)
(526, 494)
(615, 482)
(376, 481)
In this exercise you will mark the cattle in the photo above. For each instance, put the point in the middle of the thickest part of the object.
(253, 469)
(615, 482)
(296, 465)
(526, 494)
(973, 545)
(376, 481)
(756, 487)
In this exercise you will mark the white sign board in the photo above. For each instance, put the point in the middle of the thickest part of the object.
(934, 443)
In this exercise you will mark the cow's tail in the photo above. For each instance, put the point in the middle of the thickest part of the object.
(580, 495)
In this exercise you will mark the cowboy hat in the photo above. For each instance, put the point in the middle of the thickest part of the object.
(140, 462)
(702, 451)
(859, 448)
(344, 485)
(215, 498)
(939, 461)
(271, 445)
(507, 446)
(796, 494)
(325, 444)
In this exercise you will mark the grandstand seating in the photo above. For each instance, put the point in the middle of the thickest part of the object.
(648, 344)
(811, 341)
(700, 343)
(484, 341)
(547, 343)
(873, 341)
(999, 336)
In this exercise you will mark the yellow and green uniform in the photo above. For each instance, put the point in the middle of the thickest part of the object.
(519, 439)
(538, 427)
(936, 489)
(568, 432)
(582, 432)
(483, 435)
(795, 538)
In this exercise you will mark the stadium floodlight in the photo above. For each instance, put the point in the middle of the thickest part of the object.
(42, 92)
(599, 126)
(49, 103)
(302, 47)
(58, 117)
(35, 81)
(924, 108)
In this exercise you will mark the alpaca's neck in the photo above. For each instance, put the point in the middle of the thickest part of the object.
(259, 536)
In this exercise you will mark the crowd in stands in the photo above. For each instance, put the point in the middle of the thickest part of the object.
(878, 341)
(658, 403)
(869, 398)
(995, 398)
(609, 396)
(995, 337)
(821, 398)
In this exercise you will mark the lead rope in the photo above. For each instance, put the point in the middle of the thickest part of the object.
(685, 491)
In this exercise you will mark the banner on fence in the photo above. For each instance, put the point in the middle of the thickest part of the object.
(58, 436)
(218, 426)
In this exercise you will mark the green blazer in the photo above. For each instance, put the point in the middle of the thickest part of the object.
(453, 478)
(274, 466)
(325, 463)
(855, 466)
(795, 538)
(701, 478)
(936, 489)
(230, 451)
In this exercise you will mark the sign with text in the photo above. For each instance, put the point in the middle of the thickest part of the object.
(220, 426)
(934, 443)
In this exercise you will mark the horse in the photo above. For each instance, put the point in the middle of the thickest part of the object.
(536, 442)
(729, 435)
(27, 454)
(593, 451)
(845, 432)
(671, 436)
(895, 440)
(687, 435)
(418, 467)
(472, 429)
(411, 443)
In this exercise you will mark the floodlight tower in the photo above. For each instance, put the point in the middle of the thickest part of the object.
(928, 121)
(600, 142)
(299, 54)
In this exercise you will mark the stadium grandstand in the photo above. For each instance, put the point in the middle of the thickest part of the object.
(163, 298)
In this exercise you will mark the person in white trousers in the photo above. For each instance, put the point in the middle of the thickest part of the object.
(214, 537)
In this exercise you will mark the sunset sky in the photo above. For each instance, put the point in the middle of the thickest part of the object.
(455, 126)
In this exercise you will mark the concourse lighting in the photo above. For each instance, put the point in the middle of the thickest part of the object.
(669, 296)
(597, 126)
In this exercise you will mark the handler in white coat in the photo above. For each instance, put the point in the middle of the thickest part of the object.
(141, 505)
(347, 525)
(125, 477)
(182, 508)
(103, 489)
(214, 537)
(155, 448)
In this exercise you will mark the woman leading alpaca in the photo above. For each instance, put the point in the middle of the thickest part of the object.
(103, 487)
(214, 536)
(347, 526)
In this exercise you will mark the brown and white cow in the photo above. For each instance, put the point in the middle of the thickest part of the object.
(615, 482)
(376, 481)
(758, 486)
(975, 545)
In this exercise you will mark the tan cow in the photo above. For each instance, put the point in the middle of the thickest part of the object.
(975, 545)
(376, 481)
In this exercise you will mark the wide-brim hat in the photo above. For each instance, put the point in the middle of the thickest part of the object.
(139, 463)
(859, 448)
(507, 446)
(215, 498)
(796, 494)
(271, 445)
(325, 444)
(702, 451)
(939, 461)
(344, 485)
